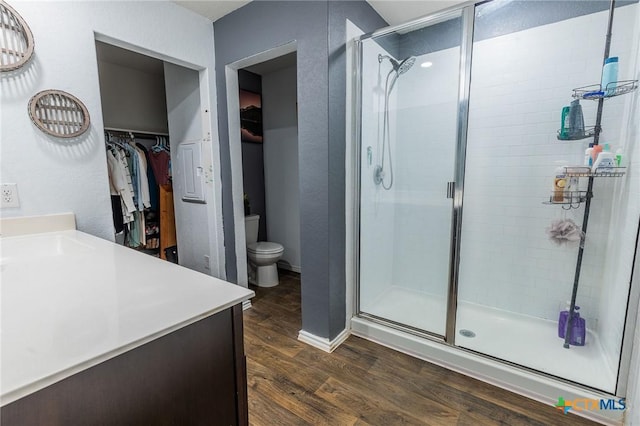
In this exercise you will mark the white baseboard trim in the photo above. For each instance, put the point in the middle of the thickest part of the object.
(323, 343)
(288, 267)
(246, 305)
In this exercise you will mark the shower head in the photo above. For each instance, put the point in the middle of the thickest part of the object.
(399, 67)
(406, 65)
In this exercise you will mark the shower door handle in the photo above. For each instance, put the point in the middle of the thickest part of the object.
(451, 188)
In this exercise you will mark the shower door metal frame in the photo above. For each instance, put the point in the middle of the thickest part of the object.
(466, 51)
(466, 12)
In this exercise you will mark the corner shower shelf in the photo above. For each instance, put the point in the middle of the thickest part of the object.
(585, 171)
(596, 92)
(574, 198)
(589, 132)
(569, 198)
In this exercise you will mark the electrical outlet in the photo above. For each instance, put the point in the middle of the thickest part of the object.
(207, 264)
(9, 196)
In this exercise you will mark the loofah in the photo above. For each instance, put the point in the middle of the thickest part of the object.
(564, 231)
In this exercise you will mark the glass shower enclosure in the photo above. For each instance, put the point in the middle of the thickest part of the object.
(408, 159)
(457, 121)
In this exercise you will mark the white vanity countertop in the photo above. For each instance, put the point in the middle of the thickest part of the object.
(70, 301)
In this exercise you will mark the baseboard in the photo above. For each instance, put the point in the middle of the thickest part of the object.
(289, 267)
(246, 305)
(323, 343)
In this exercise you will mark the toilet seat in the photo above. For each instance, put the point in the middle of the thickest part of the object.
(265, 247)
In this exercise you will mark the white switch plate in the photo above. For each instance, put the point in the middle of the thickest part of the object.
(9, 196)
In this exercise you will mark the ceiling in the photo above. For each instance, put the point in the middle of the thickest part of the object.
(393, 11)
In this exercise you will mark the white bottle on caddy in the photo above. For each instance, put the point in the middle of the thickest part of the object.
(606, 161)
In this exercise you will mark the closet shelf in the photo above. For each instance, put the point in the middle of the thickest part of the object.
(596, 92)
(589, 132)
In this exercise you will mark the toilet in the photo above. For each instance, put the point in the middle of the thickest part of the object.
(262, 255)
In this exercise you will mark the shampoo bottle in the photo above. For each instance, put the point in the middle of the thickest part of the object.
(610, 76)
(562, 320)
(576, 120)
(605, 162)
(588, 160)
(559, 184)
(619, 157)
(564, 123)
(597, 149)
(578, 329)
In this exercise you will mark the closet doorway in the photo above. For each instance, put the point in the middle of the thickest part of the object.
(138, 150)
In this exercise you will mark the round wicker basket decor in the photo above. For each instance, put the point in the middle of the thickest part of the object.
(16, 39)
(59, 114)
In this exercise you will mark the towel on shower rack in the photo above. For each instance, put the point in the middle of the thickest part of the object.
(563, 231)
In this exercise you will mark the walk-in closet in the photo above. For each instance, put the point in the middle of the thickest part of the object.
(138, 150)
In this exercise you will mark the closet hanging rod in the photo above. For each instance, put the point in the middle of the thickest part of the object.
(140, 132)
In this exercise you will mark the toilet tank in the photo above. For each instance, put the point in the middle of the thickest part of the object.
(251, 226)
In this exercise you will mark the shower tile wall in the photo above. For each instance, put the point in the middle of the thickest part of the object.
(377, 210)
(520, 82)
(624, 218)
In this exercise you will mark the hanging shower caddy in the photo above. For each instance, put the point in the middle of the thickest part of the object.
(573, 199)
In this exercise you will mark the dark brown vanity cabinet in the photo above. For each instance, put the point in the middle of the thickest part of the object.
(195, 375)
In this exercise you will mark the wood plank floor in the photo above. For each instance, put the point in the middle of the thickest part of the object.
(362, 383)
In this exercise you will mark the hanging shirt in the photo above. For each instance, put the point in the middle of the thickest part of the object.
(143, 183)
(132, 161)
(160, 166)
(120, 183)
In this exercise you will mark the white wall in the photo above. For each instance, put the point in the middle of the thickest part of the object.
(281, 178)
(55, 176)
(183, 106)
(132, 99)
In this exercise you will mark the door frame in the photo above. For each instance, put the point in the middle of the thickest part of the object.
(235, 151)
(466, 12)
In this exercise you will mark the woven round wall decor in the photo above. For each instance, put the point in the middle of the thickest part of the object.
(16, 39)
(59, 114)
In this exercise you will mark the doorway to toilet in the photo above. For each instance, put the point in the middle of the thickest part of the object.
(269, 141)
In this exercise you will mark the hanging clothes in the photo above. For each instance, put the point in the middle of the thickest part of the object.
(154, 188)
(143, 181)
(134, 177)
(160, 166)
(120, 182)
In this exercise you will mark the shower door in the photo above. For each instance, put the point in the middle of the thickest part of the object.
(408, 121)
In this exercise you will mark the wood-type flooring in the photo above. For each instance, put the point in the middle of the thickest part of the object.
(362, 383)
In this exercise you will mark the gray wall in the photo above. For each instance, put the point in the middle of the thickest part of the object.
(253, 160)
(132, 99)
(318, 27)
(183, 105)
(281, 175)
